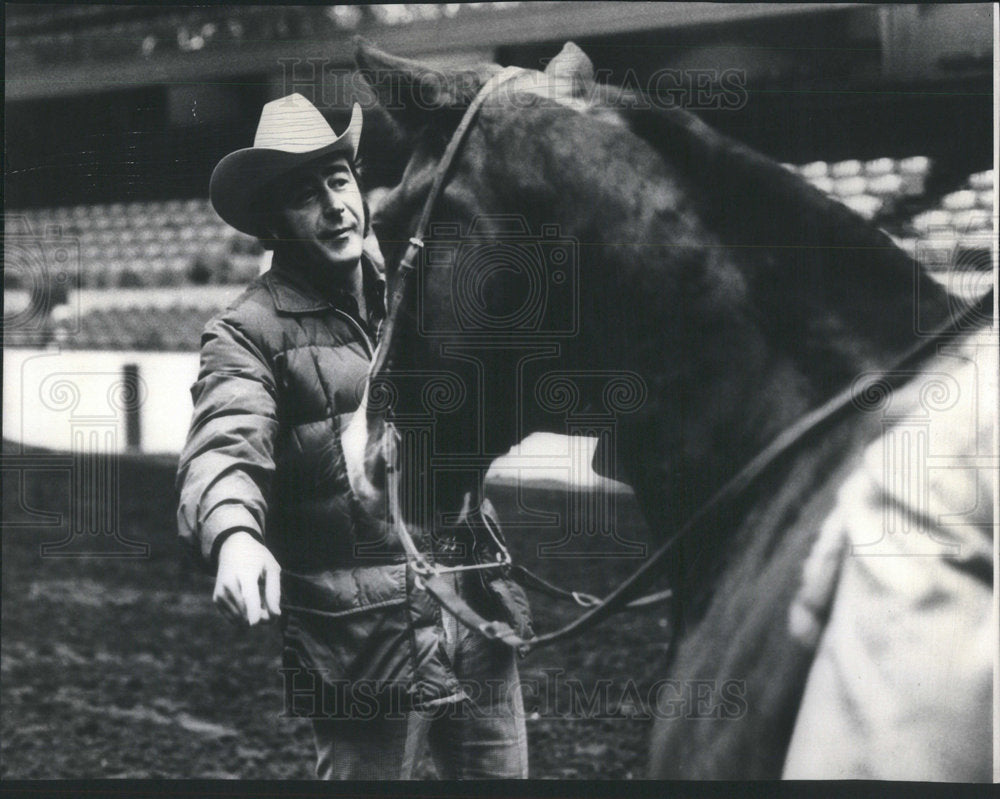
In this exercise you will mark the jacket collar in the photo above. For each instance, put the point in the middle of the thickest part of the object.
(293, 294)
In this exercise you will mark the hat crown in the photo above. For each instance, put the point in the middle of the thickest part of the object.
(294, 125)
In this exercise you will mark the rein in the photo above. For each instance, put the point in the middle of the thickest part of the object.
(431, 576)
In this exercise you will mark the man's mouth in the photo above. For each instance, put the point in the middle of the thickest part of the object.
(338, 234)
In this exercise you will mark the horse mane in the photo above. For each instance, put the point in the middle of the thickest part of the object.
(823, 281)
(827, 287)
(736, 176)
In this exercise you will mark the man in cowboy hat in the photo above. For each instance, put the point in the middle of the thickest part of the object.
(264, 496)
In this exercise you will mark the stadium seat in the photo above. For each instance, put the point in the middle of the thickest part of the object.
(135, 327)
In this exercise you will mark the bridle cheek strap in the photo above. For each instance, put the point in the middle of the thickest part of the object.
(408, 263)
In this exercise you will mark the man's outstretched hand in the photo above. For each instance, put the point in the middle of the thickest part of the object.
(248, 582)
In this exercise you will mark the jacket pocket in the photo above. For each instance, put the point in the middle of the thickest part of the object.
(346, 630)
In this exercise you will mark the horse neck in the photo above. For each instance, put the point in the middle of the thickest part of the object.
(740, 296)
(753, 360)
(828, 288)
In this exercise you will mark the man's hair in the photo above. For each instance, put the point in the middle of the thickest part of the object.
(264, 208)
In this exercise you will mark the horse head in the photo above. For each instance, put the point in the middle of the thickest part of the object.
(590, 257)
(488, 295)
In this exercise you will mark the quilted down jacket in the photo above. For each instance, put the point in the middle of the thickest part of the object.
(282, 370)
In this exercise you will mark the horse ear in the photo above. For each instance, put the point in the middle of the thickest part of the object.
(411, 91)
(572, 70)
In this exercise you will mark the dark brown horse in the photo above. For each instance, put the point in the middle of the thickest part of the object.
(693, 289)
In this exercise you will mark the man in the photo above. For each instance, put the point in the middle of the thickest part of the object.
(264, 495)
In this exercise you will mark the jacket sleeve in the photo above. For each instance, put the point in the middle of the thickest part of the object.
(225, 469)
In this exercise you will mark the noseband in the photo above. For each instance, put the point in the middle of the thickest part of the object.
(431, 576)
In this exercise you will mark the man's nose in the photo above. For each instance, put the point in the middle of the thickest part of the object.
(333, 203)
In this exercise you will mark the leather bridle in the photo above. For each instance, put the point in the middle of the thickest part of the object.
(431, 576)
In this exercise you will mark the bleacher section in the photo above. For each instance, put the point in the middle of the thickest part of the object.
(877, 189)
(47, 34)
(175, 328)
(952, 234)
(965, 214)
(144, 266)
(892, 194)
(140, 276)
(168, 243)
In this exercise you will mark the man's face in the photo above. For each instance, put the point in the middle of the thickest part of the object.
(321, 213)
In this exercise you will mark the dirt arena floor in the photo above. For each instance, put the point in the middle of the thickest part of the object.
(121, 667)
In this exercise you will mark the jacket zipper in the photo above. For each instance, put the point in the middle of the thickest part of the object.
(369, 344)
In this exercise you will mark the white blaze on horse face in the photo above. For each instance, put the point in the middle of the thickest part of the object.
(354, 442)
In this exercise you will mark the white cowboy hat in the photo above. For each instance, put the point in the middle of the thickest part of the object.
(291, 132)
